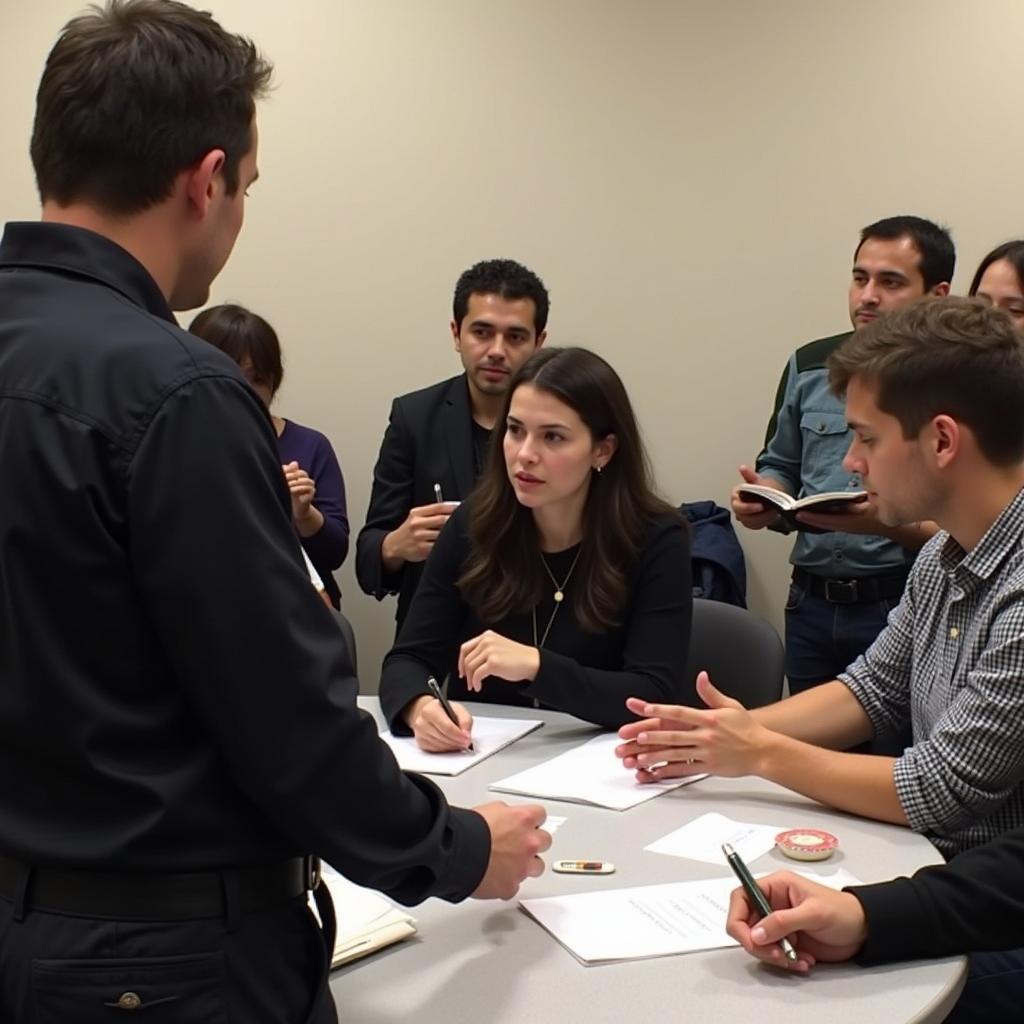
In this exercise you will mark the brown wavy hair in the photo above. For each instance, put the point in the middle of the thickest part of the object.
(503, 573)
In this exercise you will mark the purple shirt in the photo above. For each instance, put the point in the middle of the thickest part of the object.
(329, 545)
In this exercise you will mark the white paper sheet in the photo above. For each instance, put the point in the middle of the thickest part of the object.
(489, 736)
(702, 838)
(647, 921)
(587, 774)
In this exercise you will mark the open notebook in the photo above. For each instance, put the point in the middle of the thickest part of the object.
(367, 921)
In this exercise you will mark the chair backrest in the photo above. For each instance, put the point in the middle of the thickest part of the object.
(350, 639)
(741, 653)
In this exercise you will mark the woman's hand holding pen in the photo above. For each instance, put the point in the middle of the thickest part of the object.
(824, 925)
(491, 654)
(433, 730)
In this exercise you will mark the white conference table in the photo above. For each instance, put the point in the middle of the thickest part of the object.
(486, 961)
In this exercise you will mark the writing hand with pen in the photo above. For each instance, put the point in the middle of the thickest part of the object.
(435, 728)
(439, 725)
(823, 925)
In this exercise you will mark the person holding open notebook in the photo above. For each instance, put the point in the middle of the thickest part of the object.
(563, 581)
(848, 568)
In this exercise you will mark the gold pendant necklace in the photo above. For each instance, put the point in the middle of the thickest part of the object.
(559, 597)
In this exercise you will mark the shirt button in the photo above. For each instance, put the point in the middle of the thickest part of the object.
(954, 632)
(821, 428)
(129, 1001)
(838, 556)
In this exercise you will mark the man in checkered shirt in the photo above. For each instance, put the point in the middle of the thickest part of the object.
(935, 397)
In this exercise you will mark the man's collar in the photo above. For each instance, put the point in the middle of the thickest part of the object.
(998, 540)
(82, 253)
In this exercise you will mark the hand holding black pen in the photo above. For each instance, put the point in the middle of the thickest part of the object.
(756, 896)
(438, 694)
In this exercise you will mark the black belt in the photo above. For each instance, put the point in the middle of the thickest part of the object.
(156, 895)
(859, 590)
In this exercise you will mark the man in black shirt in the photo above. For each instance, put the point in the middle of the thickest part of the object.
(178, 728)
(437, 437)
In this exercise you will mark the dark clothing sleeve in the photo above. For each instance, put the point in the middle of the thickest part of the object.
(587, 675)
(260, 659)
(329, 545)
(973, 904)
(391, 497)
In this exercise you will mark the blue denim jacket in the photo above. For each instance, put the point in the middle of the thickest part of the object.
(805, 444)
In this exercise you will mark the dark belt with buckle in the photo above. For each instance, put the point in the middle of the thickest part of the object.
(857, 590)
(158, 895)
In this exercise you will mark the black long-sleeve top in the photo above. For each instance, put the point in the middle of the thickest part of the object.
(973, 904)
(173, 693)
(586, 674)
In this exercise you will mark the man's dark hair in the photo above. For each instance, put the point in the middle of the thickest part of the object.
(960, 357)
(938, 256)
(134, 93)
(505, 278)
(1012, 252)
(238, 332)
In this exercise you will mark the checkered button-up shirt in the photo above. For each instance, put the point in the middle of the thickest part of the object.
(951, 662)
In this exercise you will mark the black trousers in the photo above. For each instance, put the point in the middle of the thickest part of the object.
(258, 968)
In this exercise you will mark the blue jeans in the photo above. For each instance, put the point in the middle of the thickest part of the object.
(823, 638)
(994, 991)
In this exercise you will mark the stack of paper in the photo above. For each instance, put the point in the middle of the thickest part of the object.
(588, 774)
(489, 736)
(367, 921)
(647, 921)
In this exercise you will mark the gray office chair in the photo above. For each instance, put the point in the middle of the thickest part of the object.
(350, 639)
(741, 653)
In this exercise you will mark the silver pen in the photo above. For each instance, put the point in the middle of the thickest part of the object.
(439, 499)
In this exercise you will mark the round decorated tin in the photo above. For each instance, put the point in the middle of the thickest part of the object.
(807, 844)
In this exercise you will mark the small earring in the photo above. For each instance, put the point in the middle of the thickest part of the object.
(598, 468)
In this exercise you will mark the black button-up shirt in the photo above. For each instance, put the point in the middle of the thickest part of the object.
(173, 693)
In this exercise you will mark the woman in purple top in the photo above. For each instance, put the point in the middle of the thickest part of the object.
(308, 460)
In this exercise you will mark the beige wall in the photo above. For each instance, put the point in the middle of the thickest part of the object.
(687, 177)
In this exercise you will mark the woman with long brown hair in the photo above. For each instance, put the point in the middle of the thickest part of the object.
(563, 582)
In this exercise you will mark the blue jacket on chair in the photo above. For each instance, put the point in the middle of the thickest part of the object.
(719, 568)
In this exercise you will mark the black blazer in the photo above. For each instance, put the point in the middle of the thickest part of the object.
(429, 440)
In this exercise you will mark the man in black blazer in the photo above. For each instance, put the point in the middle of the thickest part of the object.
(437, 437)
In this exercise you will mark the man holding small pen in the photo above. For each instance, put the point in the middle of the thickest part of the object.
(436, 437)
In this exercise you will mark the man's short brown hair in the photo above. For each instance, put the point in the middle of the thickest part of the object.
(956, 356)
(134, 93)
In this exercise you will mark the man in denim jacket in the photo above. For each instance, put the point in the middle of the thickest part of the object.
(848, 568)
